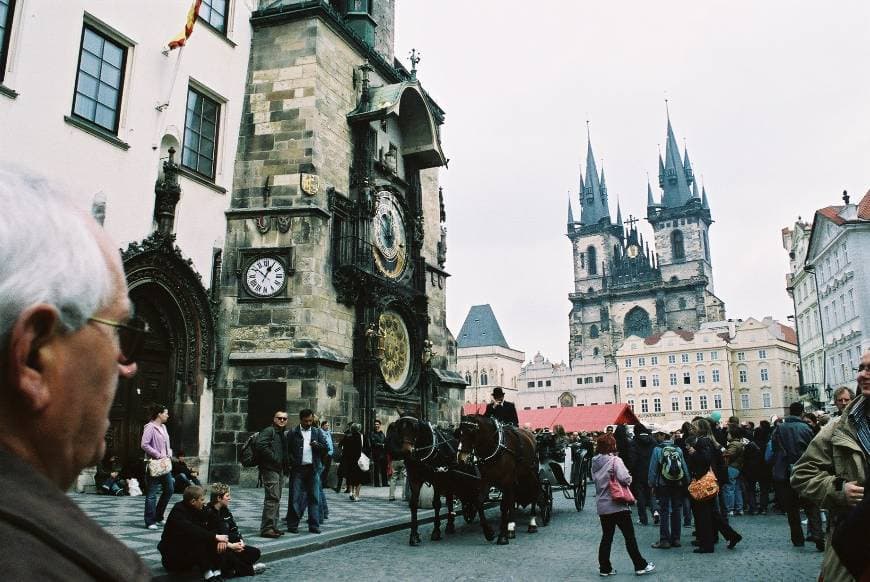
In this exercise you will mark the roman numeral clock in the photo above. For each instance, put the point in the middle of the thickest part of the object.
(264, 272)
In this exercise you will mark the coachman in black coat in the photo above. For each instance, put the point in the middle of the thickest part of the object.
(501, 409)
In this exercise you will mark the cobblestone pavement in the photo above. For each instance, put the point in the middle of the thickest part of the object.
(565, 550)
(123, 517)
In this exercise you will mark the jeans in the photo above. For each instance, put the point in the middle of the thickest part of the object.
(305, 491)
(273, 484)
(642, 495)
(609, 523)
(733, 491)
(687, 509)
(670, 509)
(154, 508)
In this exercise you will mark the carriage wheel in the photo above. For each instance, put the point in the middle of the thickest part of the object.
(580, 494)
(545, 502)
(468, 512)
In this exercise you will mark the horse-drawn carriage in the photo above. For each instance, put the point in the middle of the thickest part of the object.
(485, 460)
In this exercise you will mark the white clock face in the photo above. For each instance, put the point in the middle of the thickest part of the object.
(265, 277)
(632, 251)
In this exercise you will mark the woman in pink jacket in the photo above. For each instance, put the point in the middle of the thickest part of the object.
(614, 514)
(155, 443)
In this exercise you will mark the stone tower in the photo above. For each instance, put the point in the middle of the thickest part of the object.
(333, 288)
(681, 220)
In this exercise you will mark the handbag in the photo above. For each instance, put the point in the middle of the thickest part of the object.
(159, 467)
(363, 462)
(618, 492)
(704, 488)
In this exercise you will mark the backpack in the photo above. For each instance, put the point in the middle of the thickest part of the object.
(670, 465)
(248, 454)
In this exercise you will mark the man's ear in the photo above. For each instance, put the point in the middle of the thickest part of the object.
(31, 354)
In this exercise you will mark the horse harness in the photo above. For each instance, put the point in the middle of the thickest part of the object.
(501, 446)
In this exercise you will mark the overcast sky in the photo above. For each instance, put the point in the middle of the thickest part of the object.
(772, 98)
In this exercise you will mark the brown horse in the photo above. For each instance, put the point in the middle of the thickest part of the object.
(506, 458)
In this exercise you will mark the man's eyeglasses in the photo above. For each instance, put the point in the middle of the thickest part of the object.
(281, 418)
(131, 336)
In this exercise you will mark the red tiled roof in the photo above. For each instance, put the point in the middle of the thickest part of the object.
(683, 333)
(864, 207)
(788, 334)
(832, 213)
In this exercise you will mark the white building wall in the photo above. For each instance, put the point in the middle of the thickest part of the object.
(486, 367)
(42, 68)
(543, 384)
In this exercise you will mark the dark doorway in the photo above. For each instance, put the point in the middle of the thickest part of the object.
(264, 399)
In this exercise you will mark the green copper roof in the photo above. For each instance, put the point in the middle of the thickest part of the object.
(481, 329)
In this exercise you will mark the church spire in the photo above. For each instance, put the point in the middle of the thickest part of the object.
(618, 214)
(593, 198)
(687, 166)
(675, 183)
(570, 214)
(704, 204)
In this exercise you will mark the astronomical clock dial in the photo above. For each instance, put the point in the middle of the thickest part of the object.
(396, 365)
(265, 277)
(388, 233)
(632, 251)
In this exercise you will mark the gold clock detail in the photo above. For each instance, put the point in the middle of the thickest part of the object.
(396, 364)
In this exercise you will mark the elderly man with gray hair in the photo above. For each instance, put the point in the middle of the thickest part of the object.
(65, 339)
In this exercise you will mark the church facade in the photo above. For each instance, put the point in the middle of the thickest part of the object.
(625, 286)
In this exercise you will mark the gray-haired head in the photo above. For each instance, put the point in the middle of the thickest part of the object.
(48, 253)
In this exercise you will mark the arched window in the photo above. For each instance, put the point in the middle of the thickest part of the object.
(682, 303)
(678, 250)
(706, 246)
(595, 352)
(593, 260)
(468, 378)
(593, 331)
(484, 378)
(637, 323)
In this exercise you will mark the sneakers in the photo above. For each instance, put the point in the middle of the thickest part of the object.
(259, 568)
(153, 526)
(661, 545)
(656, 517)
(605, 574)
(649, 568)
(161, 523)
(730, 514)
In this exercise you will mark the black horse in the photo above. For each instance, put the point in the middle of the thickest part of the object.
(507, 459)
(430, 457)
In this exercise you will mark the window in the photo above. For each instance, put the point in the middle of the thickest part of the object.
(657, 404)
(843, 306)
(529, 385)
(702, 377)
(765, 377)
(599, 379)
(715, 375)
(672, 358)
(587, 380)
(678, 251)
(644, 405)
(675, 404)
(629, 381)
(673, 378)
(762, 354)
(699, 357)
(744, 377)
(717, 401)
(593, 331)
(215, 13)
(655, 380)
(7, 11)
(641, 361)
(593, 261)
(630, 402)
(703, 401)
(687, 402)
(765, 399)
(483, 378)
(579, 380)
(200, 134)
(851, 303)
(99, 80)
(684, 358)
(714, 355)
(654, 360)
(845, 254)
(687, 377)
(628, 362)
(547, 383)
(741, 356)
(540, 384)
(744, 401)
(643, 381)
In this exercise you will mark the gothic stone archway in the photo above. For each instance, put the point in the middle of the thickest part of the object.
(178, 357)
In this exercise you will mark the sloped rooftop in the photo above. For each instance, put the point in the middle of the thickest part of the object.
(481, 329)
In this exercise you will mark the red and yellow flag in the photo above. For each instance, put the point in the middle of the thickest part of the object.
(188, 26)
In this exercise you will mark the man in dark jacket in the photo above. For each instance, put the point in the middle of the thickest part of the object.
(789, 442)
(378, 442)
(307, 446)
(668, 476)
(638, 465)
(240, 559)
(274, 462)
(501, 409)
(186, 541)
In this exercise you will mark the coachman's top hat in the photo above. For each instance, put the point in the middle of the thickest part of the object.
(497, 392)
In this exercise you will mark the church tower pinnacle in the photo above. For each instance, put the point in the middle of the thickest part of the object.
(593, 194)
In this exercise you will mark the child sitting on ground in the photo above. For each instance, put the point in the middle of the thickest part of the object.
(187, 542)
(240, 559)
